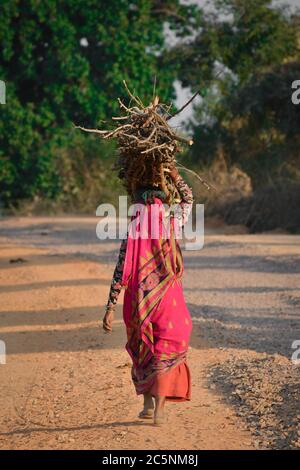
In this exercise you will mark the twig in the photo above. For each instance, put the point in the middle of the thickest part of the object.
(154, 87)
(185, 105)
(207, 185)
(191, 99)
(155, 147)
(138, 102)
(96, 131)
(119, 118)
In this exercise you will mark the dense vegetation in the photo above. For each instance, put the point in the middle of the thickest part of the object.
(63, 61)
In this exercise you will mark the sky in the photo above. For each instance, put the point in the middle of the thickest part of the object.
(183, 94)
(203, 3)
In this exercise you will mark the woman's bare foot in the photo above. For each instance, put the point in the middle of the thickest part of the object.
(148, 409)
(159, 415)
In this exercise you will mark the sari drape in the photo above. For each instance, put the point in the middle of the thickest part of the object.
(158, 323)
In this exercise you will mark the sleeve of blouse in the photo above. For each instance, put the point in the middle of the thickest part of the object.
(116, 286)
(184, 208)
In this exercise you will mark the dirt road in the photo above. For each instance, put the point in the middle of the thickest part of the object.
(66, 384)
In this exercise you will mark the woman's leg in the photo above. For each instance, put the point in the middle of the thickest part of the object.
(148, 401)
(159, 409)
(148, 409)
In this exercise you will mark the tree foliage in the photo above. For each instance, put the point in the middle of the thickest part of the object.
(63, 61)
(247, 110)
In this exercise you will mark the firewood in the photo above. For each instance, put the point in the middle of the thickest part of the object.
(144, 133)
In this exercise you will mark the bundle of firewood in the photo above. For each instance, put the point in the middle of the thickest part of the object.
(143, 133)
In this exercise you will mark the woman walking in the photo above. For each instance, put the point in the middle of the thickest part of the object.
(150, 268)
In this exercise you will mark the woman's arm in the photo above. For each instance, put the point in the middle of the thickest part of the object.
(115, 287)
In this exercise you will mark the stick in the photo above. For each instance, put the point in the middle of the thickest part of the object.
(185, 105)
(154, 87)
(96, 131)
(191, 99)
(208, 186)
(155, 147)
(138, 102)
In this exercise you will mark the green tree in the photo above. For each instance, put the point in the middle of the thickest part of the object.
(247, 42)
(63, 61)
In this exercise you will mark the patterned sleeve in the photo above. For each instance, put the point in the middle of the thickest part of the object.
(184, 208)
(116, 286)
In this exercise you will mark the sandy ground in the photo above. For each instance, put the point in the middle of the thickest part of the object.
(66, 384)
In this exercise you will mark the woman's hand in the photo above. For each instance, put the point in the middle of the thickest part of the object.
(108, 320)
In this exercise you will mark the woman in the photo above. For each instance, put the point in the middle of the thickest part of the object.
(157, 320)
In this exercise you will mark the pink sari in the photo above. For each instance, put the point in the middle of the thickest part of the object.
(157, 320)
